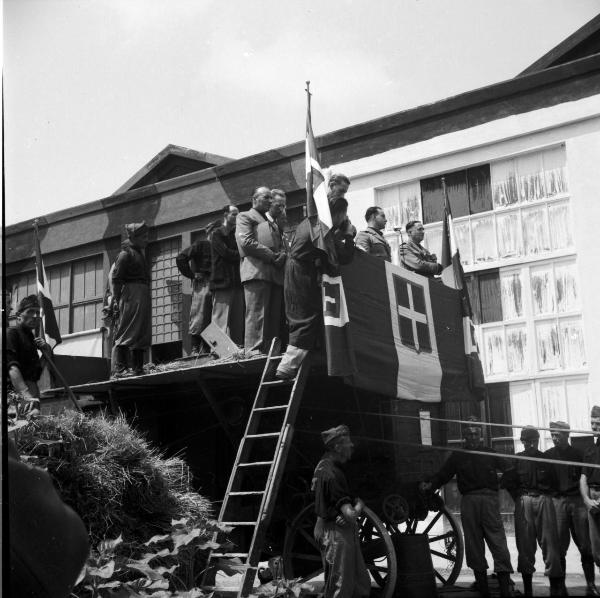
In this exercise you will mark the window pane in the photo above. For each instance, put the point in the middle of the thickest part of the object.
(532, 184)
(62, 317)
(99, 276)
(516, 349)
(480, 189)
(523, 403)
(410, 203)
(578, 404)
(571, 333)
(559, 219)
(462, 237)
(388, 200)
(78, 318)
(548, 346)
(489, 292)
(555, 171)
(535, 231)
(484, 239)
(90, 279)
(78, 281)
(433, 240)
(65, 284)
(511, 290)
(504, 183)
(542, 290)
(394, 241)
(90, 316)
(554, 404)
(458, 195)
(495, 360)
(567, 292)
(433, 200)
(509, 241)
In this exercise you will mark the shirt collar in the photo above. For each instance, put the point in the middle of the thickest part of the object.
(375, 231)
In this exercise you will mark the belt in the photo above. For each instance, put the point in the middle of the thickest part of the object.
(137, 280)
(534, 494)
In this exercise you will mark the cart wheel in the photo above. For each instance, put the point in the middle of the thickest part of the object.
(445, 541)
(302, 558)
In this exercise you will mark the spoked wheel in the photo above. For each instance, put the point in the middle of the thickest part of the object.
(302, 558)
(445, 541)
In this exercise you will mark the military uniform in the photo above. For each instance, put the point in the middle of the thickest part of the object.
(416, 258)
(373, 242)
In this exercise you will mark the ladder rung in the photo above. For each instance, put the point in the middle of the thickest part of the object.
(267, 435)
(274, 357)
(279, 382)
(233, 523)
(229, 554)
(255, 464)
(247, 493)
(273, 408)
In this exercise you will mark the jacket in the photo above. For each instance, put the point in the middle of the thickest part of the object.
(195, 259)
(255, 255)
(417, 259)
(225, 260)
(270, 235)
(374, 243)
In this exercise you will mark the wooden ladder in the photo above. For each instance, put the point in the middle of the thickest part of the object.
(258, 467)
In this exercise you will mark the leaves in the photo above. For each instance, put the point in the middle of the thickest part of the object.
(109, 545)
(183, 539)
(104, 572)
(155, 539)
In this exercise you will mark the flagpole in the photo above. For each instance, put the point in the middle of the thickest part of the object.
(46, 351)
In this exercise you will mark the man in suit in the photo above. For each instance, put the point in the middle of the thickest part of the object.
(414, 256)
(256, 259)
(372, 240)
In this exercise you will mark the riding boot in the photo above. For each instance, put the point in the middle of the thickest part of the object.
(557, 587)
(119, 360)
(504, 583)
(589, 573)
(527, 585)
(137, 361)
(482, 583)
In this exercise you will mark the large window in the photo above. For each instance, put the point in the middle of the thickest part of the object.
(76, 288)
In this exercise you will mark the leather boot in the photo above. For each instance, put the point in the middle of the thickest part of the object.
(119, 360)
(504, 583)
(527, 585)
(557, 587)
(589, 573)
(482, 583)
(137, 361)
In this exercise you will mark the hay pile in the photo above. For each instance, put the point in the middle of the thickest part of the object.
(112, 477)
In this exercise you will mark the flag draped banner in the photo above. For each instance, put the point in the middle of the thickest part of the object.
(49, 323)
(340, 354)
(453, 276)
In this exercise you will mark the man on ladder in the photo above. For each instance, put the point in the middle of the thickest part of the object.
(336, 532)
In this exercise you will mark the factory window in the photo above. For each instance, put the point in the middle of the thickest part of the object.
(76, 289)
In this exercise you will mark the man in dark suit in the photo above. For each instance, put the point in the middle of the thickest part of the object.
(256, 259)
(372, 240)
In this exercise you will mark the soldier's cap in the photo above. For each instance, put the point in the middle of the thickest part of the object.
(556, 426)
(31, 301)
(333, 434)
(136, 228)
(529, 433)
(596, 411)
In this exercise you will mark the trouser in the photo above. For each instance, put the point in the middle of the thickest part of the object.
(535, 523)
(594, 527)
(481, 521)
(121, 358)
(346, 575)
(572, 519)
(291, 360)
(228, 312)
(200, 313)
(263, 314)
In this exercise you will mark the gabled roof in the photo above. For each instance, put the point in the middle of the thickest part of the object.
(584, 42)
(171, 162)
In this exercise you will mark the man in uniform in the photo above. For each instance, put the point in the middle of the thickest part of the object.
(337, 509)
(228, 302)
(131, 286)
(571, 514)
(413, 256)
(256, 259)
(589, 485)
(23, 364)
(194, 262)
(477, 480)
(531, 484)
(372, 240)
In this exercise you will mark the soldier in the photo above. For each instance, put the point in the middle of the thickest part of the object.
(589, 486)
(337, 509)
(479, 507)
(531, 485)
(414, 256)
(372, 240)
(571, 514)
(131, 286)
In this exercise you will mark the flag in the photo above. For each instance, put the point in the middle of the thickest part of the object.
(407, 332)
(340, 355)
(49, 323)
(453, 276)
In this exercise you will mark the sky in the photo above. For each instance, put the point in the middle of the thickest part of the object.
(93, 89)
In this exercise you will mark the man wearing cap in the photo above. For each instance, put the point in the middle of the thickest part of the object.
(23, 364)
(131, 286)
(194, 262)
(589, 485)
(477, 480)
(346, 574)
(571, 514)
(531, 484)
